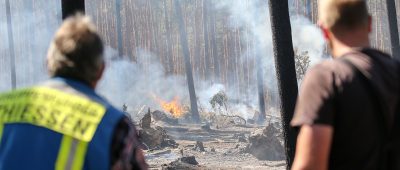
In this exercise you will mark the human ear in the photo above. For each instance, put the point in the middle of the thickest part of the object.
(325, 31)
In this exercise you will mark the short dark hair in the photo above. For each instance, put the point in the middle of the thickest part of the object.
(76, 50)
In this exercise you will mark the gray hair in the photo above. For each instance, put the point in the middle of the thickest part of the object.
(76, 50)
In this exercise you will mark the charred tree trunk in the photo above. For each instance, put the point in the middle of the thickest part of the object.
(70, 7)
(11, 46)
(285, 67)
(188, 65)
(260, 87)
(393, 28)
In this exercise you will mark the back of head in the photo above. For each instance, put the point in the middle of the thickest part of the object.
(343, 15)
(76, 50)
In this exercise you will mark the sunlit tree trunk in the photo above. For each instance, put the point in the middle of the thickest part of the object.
(284, 62)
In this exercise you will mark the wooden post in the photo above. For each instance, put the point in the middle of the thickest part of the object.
(285, 67)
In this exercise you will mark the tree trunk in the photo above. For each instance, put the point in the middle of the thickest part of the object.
(168, 41)
(284, 63)
(206, 4)
(314, 11)
(393, 28)
(70, 7)
(188, 65)
(11, 46)
(119, 27)
(197, 38)
(260, 87)
(213, 25)
(154, 27)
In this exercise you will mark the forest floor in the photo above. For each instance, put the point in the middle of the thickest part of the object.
(222, 148)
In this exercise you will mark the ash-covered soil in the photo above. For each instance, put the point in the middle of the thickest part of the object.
(224, 148)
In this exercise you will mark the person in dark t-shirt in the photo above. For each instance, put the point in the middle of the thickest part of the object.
(347, 107)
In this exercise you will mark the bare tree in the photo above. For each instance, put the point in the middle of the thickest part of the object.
(188, 65)
(285, 67)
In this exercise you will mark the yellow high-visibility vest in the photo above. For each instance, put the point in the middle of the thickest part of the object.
(76, 117)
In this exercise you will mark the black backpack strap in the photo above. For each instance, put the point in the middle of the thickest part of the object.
(394, 150)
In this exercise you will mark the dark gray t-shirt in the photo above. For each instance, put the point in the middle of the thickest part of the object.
(333, 93)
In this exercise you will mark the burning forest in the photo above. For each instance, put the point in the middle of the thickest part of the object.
(198, 78)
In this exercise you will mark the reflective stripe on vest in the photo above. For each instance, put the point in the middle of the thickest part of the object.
(75, 117)
(71, 154)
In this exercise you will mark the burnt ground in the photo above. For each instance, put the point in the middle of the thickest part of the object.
(222, 149)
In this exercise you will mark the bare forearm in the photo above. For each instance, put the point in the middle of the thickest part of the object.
(313, 147)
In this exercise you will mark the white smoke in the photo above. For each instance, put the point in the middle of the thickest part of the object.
(207, 93)
(253, 15)
(34, 24)
(308, 37)
(137, 84)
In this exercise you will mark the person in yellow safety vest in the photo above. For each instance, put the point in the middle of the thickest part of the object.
(62, 123)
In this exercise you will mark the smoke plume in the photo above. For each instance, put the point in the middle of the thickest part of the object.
(138, 83)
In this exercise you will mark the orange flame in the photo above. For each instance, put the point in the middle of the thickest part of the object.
(174, 107)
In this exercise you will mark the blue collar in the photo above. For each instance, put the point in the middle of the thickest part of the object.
(80, 86)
